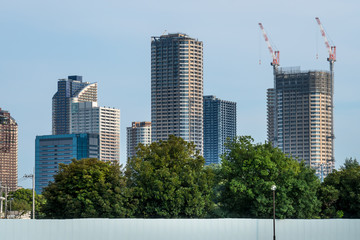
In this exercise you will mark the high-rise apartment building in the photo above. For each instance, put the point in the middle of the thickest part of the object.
(300, 117)
(177, 88)
(87, 117)
(139, 132)
(50, 150)
(71, 89)
(219, 126)
(8, 150)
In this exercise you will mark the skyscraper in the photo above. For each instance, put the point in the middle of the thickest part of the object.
(219, 125)
(139, 132)
(87, 117)
(300, 117)
(8, 150)
(50, 150)
(69, 89)
(177, 88)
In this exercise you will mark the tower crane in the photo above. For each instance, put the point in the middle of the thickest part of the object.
(274, 54)
(331, 59)
(331, 49)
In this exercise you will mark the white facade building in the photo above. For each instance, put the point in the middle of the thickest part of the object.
(87, 117)
(139, 132)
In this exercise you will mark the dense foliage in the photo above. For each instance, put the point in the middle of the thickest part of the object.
(167, 179)
(21, 201)
(249, 170)
(340, 192)
(87, 188)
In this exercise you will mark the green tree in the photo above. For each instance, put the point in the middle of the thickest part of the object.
(249, 170)
(87, 188)
(22, 201)
(340, 192)
(167, 179)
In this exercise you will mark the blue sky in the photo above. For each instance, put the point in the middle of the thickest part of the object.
(108, 42)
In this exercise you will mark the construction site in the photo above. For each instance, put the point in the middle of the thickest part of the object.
(300, 118)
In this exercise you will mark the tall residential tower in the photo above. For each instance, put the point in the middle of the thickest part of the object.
(177, 88)
(87, 117)
(219, 126)
(8, 150)
(139, 132)
(300, 117)
(69, 89)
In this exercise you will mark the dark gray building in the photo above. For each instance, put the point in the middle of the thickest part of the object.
(300, 117)
(69, 89)
(219, 125)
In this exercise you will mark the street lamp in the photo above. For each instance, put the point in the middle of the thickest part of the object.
(33, 190)
(273, 188)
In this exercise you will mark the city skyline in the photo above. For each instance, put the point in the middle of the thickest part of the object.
(113, 50)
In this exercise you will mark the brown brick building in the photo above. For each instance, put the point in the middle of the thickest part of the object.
(8, 150)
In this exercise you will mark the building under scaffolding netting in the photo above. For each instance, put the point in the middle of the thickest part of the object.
(300, 118)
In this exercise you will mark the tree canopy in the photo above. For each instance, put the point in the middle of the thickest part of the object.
(22, 201)
(340, 191)
(249, 170)
(86, 188)
(167, 179)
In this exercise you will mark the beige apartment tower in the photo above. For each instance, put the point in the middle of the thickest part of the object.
(300, 118)
(8, 151)
(177, 88)
(139, 132)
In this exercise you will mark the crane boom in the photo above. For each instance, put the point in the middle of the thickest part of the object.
(331, 49)
(274, 54)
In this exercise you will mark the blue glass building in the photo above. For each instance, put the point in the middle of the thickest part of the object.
(219, 125)
(68, 90)
(50, 150)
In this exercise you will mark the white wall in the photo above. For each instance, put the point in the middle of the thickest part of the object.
(176, 229)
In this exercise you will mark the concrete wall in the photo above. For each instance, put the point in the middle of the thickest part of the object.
(176, 229)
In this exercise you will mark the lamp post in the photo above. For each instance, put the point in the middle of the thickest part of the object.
(273, 188)
(32, 176)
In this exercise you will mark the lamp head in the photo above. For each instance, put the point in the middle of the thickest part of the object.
(273, 187)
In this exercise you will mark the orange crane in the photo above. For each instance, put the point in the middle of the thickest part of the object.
(274, 54)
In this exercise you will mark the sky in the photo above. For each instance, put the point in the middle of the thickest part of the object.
(108, 42)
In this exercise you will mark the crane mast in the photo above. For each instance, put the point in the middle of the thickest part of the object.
(331, 59)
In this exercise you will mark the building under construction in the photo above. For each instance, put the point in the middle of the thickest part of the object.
(300, 117)
(8, 151)
(300, 111)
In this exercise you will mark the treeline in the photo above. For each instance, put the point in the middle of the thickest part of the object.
(168, 179)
